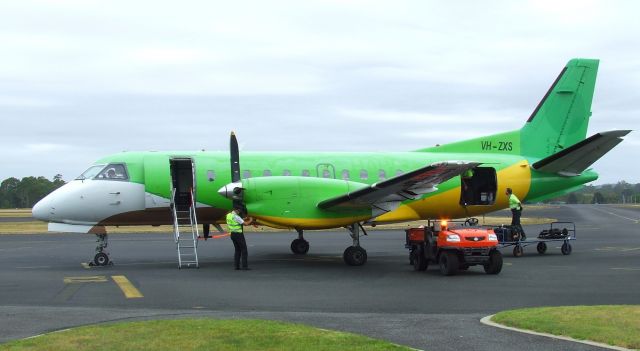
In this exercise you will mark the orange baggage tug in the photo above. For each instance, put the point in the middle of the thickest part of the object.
(453, 248)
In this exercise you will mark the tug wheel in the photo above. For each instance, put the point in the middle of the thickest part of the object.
(420, 263)
(494, 266)
(448, 263)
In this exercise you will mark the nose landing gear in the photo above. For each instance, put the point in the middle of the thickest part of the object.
(102, 256)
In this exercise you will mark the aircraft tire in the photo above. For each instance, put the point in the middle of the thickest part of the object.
(101, 259)
(355, 256)
(494, 266)
(448, 263)
(299, 246)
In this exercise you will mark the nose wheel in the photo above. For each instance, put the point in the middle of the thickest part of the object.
(102, 256)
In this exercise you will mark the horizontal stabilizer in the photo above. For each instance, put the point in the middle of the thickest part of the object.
(575, 159)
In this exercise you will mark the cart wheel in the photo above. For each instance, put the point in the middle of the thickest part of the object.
(566, 249)
(542, 248)
(518, 251)
(420, 262)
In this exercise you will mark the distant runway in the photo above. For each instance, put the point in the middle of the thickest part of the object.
(44, 286)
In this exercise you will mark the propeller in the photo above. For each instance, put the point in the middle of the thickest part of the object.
(234, 190)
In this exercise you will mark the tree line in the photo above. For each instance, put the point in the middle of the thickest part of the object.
(25, 192)
(619, 193)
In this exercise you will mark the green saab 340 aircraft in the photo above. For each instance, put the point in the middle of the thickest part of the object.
(549, 156)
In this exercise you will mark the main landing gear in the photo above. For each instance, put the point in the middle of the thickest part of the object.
(300, 246)
(355, 255)
(102, 256)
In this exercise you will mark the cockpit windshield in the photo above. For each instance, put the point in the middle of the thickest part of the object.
(113, 171)
(91, 172)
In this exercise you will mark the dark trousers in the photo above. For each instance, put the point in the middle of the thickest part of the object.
(241, 249)
(515, 220)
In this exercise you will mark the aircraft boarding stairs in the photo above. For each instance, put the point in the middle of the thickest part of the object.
(185, 228)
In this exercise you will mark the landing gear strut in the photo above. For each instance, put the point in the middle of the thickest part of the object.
(102, 256)
(300, 246)
(355, 255)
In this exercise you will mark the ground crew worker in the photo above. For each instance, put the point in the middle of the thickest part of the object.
(235, 223)
(516, 211)
(467, 187)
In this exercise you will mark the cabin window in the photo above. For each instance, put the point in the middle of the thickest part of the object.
(305, 173)
(246, 174)
(326, 173)
(364, 175)
(399, 172)
(266, 173)
(211, 175)
(91, 172)
(382, 175)
(286, 173)
(345, 174)
(114, 171)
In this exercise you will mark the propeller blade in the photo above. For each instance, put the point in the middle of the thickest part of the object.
(235, 171)
(235, 159)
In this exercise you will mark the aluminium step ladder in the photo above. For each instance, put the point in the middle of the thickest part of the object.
(185, 231)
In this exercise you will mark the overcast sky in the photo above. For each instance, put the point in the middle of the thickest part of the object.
(83, 79)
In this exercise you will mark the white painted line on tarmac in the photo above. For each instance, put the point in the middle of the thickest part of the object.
(617, 215)
(625, 269)
(487, 321)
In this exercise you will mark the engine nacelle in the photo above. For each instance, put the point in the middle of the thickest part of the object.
(287, 201)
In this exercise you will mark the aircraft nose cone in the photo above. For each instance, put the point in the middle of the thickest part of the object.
(41, 210)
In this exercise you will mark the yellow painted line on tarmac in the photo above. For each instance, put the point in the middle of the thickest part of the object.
(86, 279)
(130, 291)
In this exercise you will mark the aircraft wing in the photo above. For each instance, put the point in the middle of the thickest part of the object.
(386, 196)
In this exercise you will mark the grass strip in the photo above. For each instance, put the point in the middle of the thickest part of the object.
(200, 334)
(617, 325)
(15, 213)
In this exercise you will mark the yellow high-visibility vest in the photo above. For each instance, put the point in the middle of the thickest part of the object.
(234, 227)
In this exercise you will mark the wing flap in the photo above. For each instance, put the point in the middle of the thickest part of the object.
(386, 196)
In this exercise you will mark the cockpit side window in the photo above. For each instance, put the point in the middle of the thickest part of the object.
(114, 171)
(91, 172)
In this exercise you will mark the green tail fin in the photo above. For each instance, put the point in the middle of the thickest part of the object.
(562, 116)
(559, 121)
